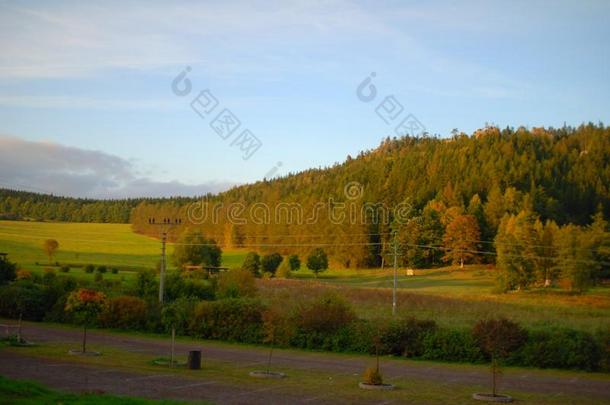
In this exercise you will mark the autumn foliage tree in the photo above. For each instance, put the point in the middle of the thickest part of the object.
(461, 238)
(85, 305)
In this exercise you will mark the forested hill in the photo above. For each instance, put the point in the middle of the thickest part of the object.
(557, 174)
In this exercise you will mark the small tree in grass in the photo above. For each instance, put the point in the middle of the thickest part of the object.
(295, 262)
(373, 376)
(175, 316)
(85, 305)
(498, 338)
(317, 261)
(50, 246)
(277, 329)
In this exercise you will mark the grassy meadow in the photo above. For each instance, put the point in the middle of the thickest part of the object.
(112, 245)
(451, 296)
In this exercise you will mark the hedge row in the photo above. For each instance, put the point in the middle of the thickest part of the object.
(327, 323)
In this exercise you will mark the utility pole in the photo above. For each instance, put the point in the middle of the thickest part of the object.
(166, 224)
(395, 254)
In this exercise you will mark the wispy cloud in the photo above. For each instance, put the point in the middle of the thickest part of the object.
(63, 170)
(86, 103)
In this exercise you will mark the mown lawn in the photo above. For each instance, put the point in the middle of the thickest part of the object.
(27, 392)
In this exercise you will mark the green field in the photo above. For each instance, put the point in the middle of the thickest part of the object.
(112, 245)
(452, 297)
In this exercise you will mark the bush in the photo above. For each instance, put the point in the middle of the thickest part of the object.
(559, 348)
(252, 263)
(238, 320)
(320, 321)
(317, 261)
(48, 276)
(146, 284)
(405, 337)
(178, 314)
(176, 287)
(236, 283)
(373, 376)
(89, 268)
(498, 338)
(102, 269)
(125, 312)
(114, 270)
(65, 269)
(8, 270)
(451, 345)
(25, 298)
(98, 278)
(356, 337)
(295, 262)
(270, 263)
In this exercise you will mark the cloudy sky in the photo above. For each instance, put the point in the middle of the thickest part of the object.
(87, 106)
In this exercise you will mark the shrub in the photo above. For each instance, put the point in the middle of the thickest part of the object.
(404, 337)
(295, 262)
(98, 278)
(451, 345)
(48, 276)
(102, 269)
(114, 270)
(146, 284)
(498, 338)
(25, 298)
(23, 274)
(65, 269)
(236, 283)
(238, 320)
(252, 263)
(178, 314)
(176, 287)
(317, 261)
(270, 263)
(125, 312)
(8, 270)
(356, 337)
(89, 268)
(373, 376)
(320, 321)
(559, 348)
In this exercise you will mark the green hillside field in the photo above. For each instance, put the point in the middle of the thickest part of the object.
(112, 245)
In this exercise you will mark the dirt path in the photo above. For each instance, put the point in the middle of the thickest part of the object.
(74, 377)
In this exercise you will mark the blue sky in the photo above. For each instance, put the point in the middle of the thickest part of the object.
(86, 106)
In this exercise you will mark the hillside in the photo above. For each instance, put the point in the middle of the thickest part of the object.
(561, 175)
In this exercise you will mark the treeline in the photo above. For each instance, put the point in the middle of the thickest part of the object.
(24, 205)
(444, 198)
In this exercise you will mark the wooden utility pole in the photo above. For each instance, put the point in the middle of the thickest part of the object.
(166, 224)
(395, 253)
